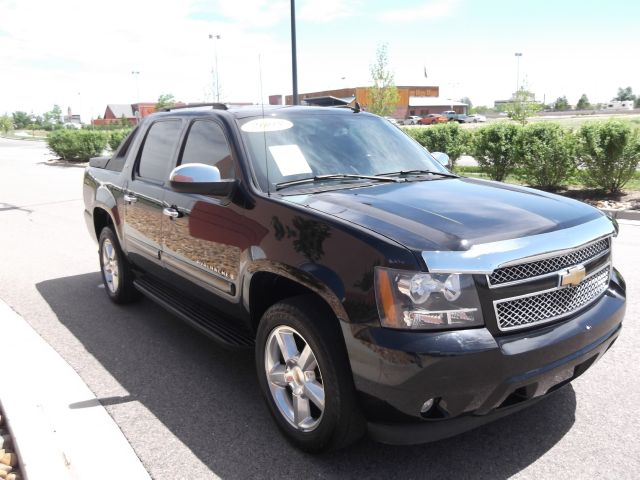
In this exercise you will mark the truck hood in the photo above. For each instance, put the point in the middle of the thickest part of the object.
(450, 214)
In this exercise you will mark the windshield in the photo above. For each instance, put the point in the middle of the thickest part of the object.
(305, 144)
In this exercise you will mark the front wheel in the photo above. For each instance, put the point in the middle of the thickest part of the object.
(304, 375)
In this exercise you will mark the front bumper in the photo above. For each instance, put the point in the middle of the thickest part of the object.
(474, 376)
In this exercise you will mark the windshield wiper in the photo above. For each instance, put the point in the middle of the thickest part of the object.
(422, 172)
(333, 176)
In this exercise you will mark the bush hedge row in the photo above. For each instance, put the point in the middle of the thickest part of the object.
(81, 145)
(603, 155)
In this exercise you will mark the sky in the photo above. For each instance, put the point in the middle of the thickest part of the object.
(81, 53)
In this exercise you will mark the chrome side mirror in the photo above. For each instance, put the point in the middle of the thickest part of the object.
(442, 158)
(201, 179)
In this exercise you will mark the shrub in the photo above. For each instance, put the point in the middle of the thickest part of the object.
(444, 137)
(116, 137)
(609, 153)
(6, 123)
(78, 145)
(547, 154)
(496, 150)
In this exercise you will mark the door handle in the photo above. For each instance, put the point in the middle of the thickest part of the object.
(130, 198)
(171, 212)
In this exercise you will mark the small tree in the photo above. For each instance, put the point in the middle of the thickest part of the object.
(547, 154)
(467, 100)
(522, 107)
(383, 95)
(166, 100)
(495, 148)
(53, 116)
(561, 104)
(21, 119)
(625, 94)
(609, 153)
(6, 123)
(583, 103)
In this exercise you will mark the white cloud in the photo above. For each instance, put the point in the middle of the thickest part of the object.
(249, 13)
(81, 53)
(86, 61)
(428, 11)
(328, 10)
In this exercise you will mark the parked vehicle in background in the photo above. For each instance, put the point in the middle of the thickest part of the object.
(392, 120)
(433, 118)
(411, 120)
(452, 116)
(464, 118)
(478, 118)
(458, 117)
(380, 292)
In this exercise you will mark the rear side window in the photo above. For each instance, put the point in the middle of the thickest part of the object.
(206, 143)
(116, 163)
(159, 149)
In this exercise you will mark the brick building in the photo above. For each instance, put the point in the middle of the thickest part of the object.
(114, 113)
(413, 100)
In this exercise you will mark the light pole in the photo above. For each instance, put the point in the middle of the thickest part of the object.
(215, 55)
(518, 55)
(135, 73)
(294, 60)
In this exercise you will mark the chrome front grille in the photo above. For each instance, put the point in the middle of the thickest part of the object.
(526, 271)
(538, 308)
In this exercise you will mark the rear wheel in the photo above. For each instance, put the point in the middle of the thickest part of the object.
(116, 273)
(305, 377)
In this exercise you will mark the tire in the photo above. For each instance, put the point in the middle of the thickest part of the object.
(117, 276)
(310, 394)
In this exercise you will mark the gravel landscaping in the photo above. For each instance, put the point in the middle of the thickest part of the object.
(9, 465)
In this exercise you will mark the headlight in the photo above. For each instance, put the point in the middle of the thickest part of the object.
(419, 300)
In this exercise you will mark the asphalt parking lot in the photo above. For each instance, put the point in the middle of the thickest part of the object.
(193, 410)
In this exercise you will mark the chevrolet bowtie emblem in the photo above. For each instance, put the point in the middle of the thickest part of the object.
(572, 276)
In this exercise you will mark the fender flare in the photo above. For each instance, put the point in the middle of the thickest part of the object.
(295, 275)
(104, 200)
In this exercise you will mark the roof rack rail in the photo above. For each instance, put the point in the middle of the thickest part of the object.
(214, 106)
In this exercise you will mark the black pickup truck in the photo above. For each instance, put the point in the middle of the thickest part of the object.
(381, 292)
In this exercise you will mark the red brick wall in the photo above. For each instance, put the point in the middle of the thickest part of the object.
(110, 121)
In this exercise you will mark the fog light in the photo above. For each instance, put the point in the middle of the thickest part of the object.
(426, 406)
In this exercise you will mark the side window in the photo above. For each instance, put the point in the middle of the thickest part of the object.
(117, 161)
(206, 143)
(159, 147)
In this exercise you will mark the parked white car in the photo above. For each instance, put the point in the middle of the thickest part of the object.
(476, 117)
(411, 120)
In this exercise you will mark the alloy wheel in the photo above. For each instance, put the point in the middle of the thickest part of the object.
(294, 378)
(110, 266)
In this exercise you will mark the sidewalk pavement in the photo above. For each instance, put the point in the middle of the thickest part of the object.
(60, 430)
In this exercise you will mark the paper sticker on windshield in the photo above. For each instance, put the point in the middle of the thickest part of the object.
(289, 159)
(266, 125)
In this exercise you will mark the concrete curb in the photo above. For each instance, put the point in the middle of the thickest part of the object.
(60, 430)
(623, 214)
(28, 139)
